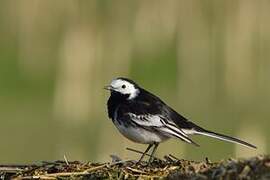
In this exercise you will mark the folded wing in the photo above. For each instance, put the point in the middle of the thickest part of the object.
(160, 123)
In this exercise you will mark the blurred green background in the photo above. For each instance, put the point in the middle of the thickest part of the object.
(209, 60)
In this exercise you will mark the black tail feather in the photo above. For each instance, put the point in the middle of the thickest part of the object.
(224, 138)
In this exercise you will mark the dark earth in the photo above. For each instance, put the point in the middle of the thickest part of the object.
(169, 167)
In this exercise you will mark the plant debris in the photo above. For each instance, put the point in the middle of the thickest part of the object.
(169, 167)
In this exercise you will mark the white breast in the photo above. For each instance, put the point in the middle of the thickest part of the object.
(140, 135)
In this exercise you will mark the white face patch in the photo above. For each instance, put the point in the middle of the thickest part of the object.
(124, 87)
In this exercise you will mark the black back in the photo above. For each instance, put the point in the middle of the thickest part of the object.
(146, 103)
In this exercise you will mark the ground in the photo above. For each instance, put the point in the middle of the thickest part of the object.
(169, 167)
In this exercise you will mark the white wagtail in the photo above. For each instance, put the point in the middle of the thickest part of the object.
(144, 118)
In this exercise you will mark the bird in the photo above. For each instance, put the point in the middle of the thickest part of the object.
(144, 118)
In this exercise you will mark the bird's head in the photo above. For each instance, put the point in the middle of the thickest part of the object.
(125, 87)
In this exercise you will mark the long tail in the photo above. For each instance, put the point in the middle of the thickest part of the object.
(224, 138)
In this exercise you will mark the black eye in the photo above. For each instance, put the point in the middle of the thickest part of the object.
(123, 86)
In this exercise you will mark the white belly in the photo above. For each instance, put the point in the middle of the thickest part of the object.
(140, 135)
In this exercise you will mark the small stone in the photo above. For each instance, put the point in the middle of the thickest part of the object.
(267, 163)
(115, 158)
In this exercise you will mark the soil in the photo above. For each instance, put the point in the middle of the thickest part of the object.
(169, 167)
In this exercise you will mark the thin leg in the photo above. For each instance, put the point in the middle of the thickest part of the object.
(147, 149)
(153, 152)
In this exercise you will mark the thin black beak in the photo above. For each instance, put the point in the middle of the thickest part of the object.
(108, 87)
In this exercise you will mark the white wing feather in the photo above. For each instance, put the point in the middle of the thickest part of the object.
(156, 121)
